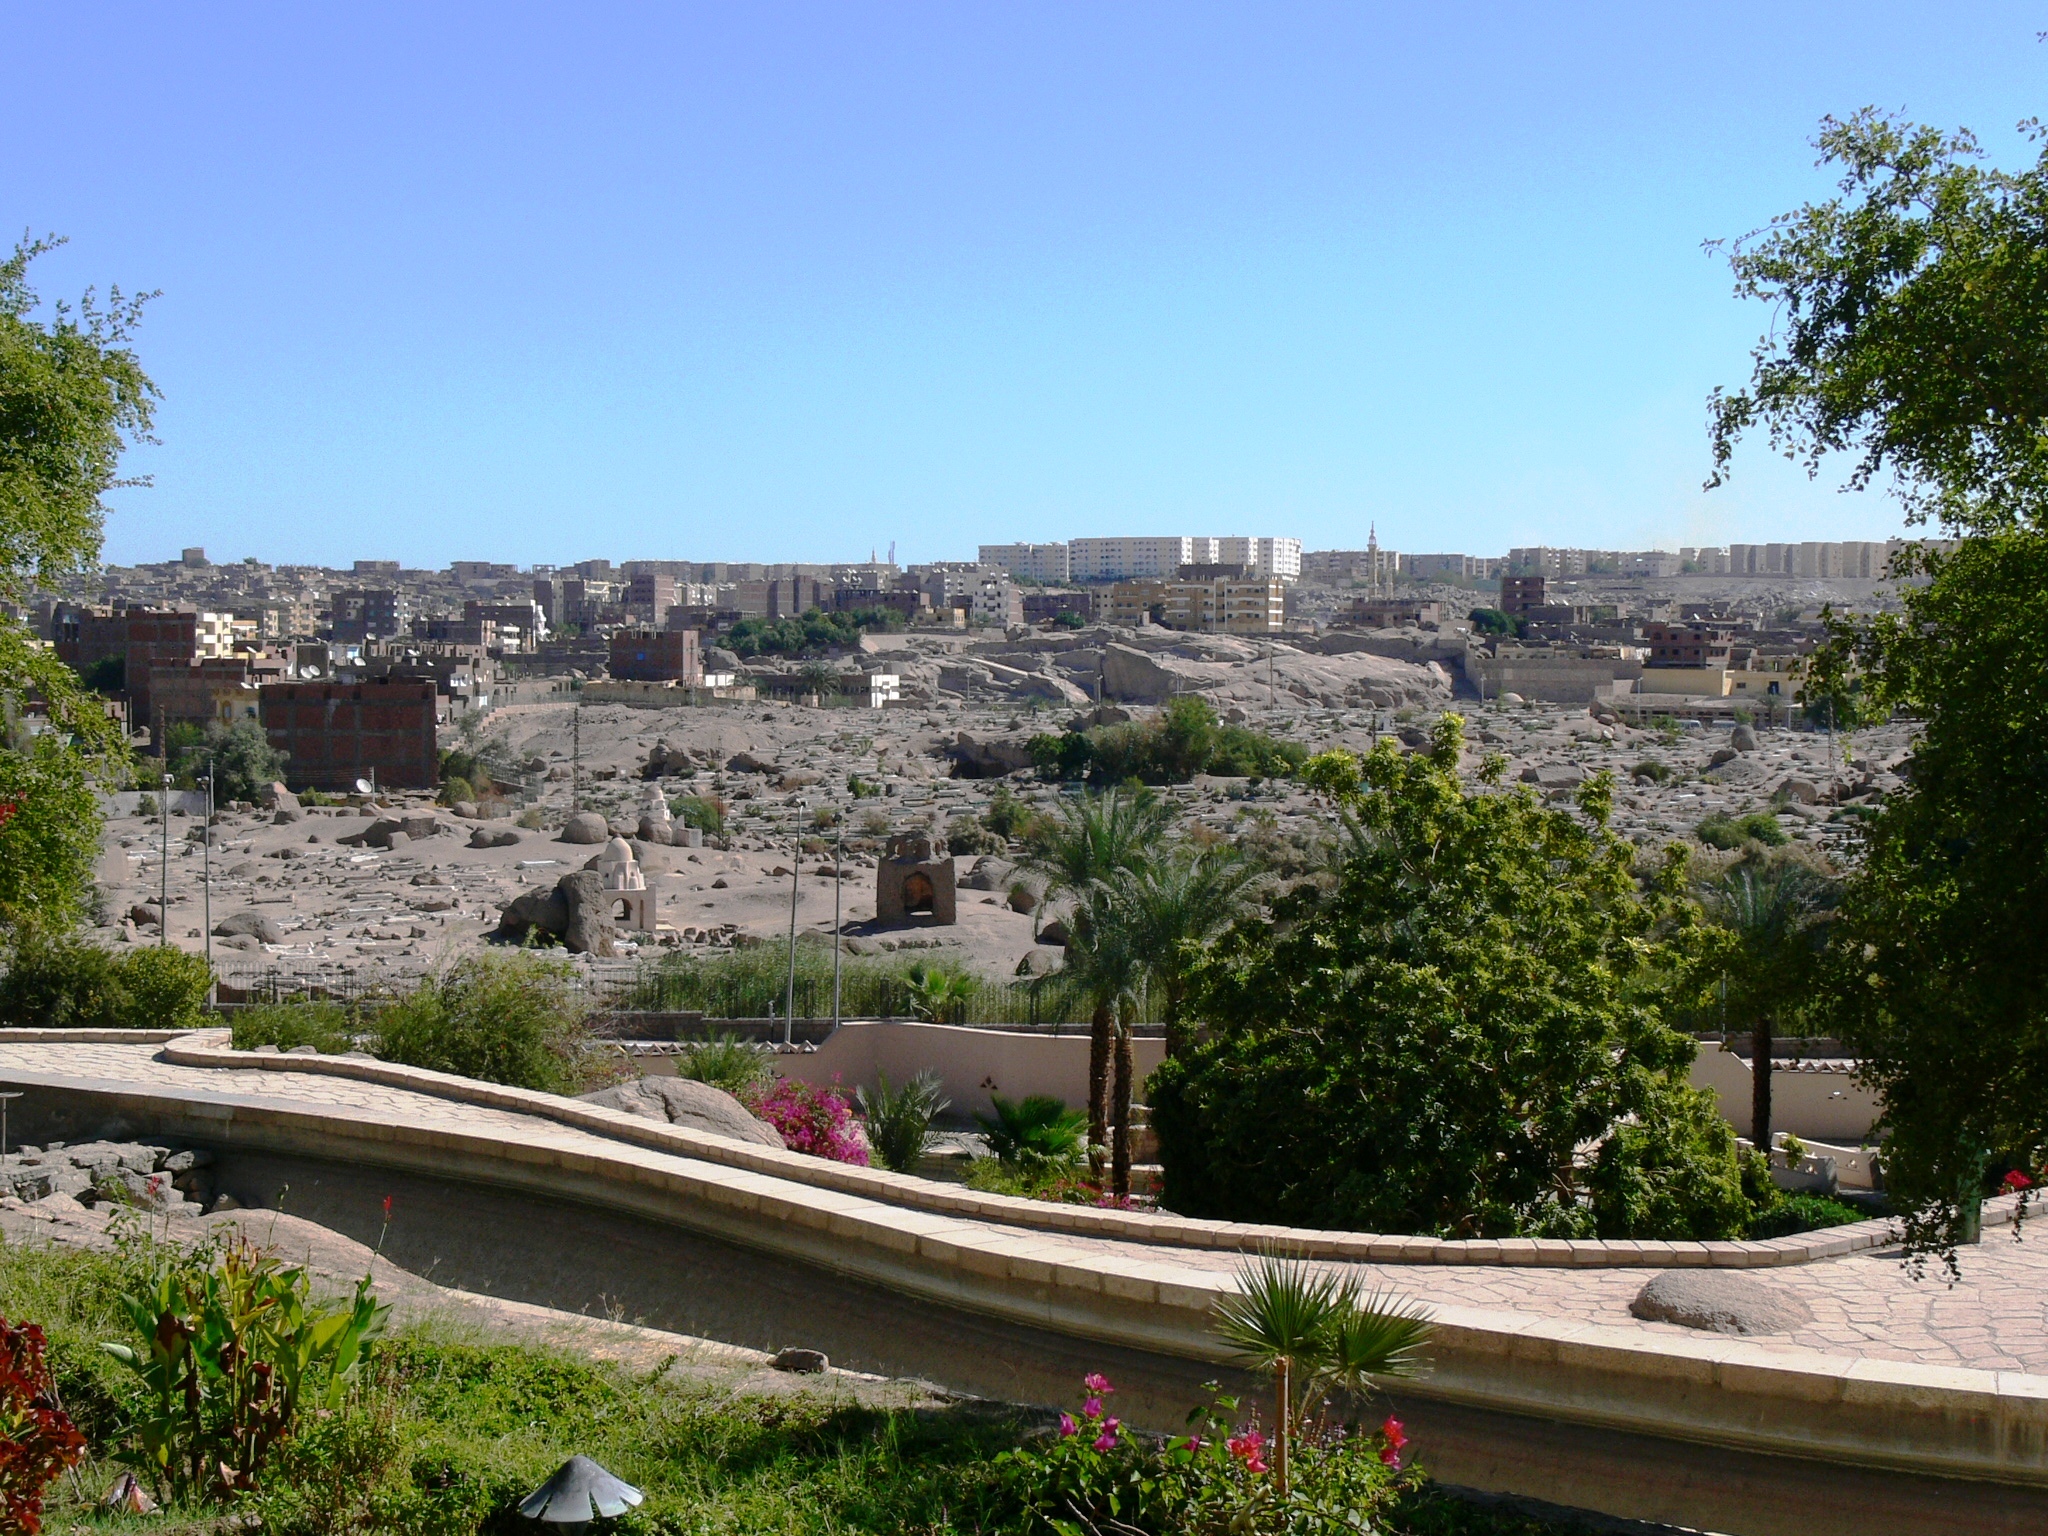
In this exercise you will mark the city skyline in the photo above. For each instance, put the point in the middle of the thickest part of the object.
(787, 287)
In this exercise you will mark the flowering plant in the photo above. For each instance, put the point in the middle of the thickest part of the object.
(1093, 1474)
(37, 1440)
(816, 1121)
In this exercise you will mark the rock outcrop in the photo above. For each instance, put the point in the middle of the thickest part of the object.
(686, 1102)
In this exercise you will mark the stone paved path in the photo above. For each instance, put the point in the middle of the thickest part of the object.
(1866, 1305)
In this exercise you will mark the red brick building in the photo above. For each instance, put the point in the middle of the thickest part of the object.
(657, 656)
(1687, 645)
(335, 733)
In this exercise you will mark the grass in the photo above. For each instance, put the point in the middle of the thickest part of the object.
(447, 1432)
(746, 982)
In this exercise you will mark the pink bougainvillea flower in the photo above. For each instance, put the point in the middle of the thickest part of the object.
(1106, 1441)
(1254, 1465)
(2017, 1181)
(1195, 1444)
(1095, 1381)
(1393, 1436)
(1246, 1447)
(1067, 1426)
(1092, 1408)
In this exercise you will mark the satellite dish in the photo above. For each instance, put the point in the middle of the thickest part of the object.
(364, 787)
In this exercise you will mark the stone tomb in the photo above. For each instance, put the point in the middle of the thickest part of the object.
(626, 895)
(911, 879)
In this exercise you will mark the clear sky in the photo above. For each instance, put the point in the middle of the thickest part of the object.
(791, 281)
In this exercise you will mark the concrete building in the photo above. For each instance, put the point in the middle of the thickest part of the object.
(1521, 594)
(521, 627)
(998, 603)
(1134, 559)
(657, 656)
(649, 596)
(362, 614)
(1277, 558)
(1047, 564)
(1247, 606)
(333, 734)
(1044, 607)
(1687, 645)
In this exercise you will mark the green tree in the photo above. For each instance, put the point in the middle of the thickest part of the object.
(1912, 332)
(72, 397)
(239, 756)
(1106, 957)
(1177, 905)
(1431, 1046)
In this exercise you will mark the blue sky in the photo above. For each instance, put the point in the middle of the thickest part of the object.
(792, 281)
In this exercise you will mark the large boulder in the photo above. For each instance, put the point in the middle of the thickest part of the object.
(493, 837)
(974, 759)
(1742, 739)
(254, 924)
(746, 762)
(989, 874)
(544, 911)
(685, 1102)
(575, 912)
(1720, 1301)
(585, 827)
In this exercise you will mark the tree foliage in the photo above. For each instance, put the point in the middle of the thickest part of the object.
(239, 756)
(72, 397)
(1914, 334)
(1182, 740)
(1431, 1046)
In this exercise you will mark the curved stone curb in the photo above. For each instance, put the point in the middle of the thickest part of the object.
(207, 1048)
(1952, 1422)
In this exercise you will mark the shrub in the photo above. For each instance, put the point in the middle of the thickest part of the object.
(239, 756)
(815, 1121)
(228, 1345)
(967, 835)
(704, 812)
(455, 790)
(512, 1019)
(64, 981)
(899, 1120)
(1728, 833)
(37, 1438)
(532, 819)
(1006, 816)
(1791, 1214)
(725, 1061)
(1183, 740)
(1033, 1132)
(326, 1026)
(1650, 772)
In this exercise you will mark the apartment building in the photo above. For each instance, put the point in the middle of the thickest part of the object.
(998, 603)
(333, 734)
(657, 656)
(363, 614)
(1047, 564)
(1236, 606)
(1277, 558)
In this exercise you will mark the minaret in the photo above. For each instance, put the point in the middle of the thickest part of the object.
(1372, 557)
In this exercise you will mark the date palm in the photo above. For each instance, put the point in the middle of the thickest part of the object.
(1094, 838)
(1177, 905)
(1106, 956)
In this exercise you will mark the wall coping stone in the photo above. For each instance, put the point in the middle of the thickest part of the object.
(209, 1048)
(1796, 1401)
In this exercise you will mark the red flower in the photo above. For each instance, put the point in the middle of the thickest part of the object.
(1392, 1439)
(387, 1207)
(2017, 1181)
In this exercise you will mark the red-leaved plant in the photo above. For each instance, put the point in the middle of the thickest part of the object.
(812, 1120)
(37, 1438)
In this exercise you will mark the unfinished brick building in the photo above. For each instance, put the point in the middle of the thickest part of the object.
(333, 734)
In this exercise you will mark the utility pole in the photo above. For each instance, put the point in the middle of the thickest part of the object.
(163, 911)
(575, 758)
(838, 886)
(796, 875)
(206, 877)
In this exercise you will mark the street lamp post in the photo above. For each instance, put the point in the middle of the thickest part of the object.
(206, 874)
(163, 910)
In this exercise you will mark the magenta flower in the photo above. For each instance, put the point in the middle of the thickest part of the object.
(1092, 1408)
(1095, 1381)
(2017, 1181)
(1106, 1441)
(1067, 1426)
(1394, 1437)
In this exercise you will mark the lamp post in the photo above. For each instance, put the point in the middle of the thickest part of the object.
(163, 910)
(206, 872)
(796, 875)
(838, 886)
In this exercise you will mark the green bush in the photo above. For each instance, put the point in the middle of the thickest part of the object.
(512, 1019)
(704, 812)
(728, 1062)
(969, 835)
(1185, 739)
(1033, 1133)
(1728, 833)
(239, 756)
(454, 790)
(326, 1026)
(1791, 1214)
(65, 981)
(899, 1120)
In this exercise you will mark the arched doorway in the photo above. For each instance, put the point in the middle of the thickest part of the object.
(918, 895)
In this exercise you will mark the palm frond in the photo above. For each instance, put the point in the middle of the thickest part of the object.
(1283, 1309)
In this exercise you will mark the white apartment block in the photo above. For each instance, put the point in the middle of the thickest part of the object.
(1126, 559)
(997, 603)
(1262, 557)
(1047, 563)
(214, 634)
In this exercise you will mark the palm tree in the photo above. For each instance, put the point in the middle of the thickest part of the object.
(1312, 1331)
(1108, 958)
(1094, 838)
(937, 992)
(1775, 917)
(1032, 1132)
(1178, 905)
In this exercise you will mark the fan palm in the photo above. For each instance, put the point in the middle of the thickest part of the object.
(937, 993)
(1775, 917)
(1311, 1330)
(1032, 1132)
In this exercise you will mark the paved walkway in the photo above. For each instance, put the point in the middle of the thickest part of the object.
(1865, 1305)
